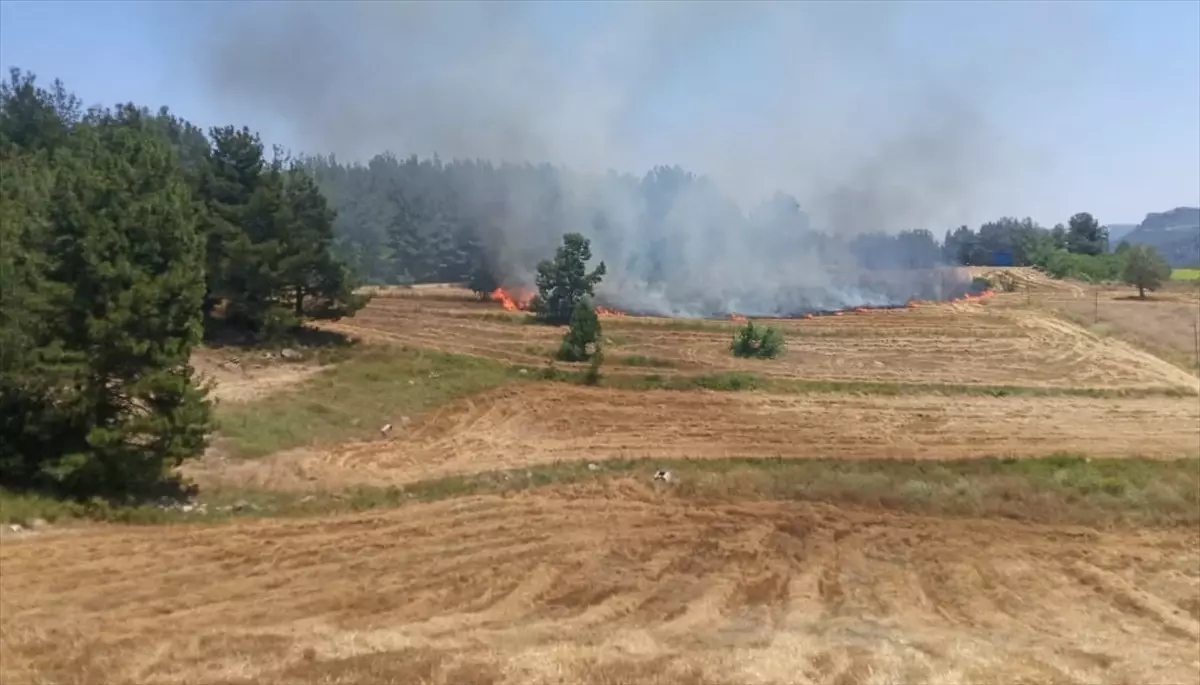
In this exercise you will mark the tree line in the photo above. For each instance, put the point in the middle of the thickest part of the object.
(412, 220)
(128, 236)
(1080, 249)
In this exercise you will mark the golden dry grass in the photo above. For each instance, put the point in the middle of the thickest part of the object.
(1166, 323)
(725, 576)
(603, 583)
(959, 343)
(541, 423)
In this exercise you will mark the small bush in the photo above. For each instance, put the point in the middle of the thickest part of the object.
(1005, 282)
(579, 343)
(757, 343)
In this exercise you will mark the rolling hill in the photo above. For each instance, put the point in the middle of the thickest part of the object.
(1175, 233)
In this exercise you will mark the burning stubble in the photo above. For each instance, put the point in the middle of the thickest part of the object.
(868, 121)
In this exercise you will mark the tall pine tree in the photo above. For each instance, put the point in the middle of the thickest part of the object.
(317, 284)
(102, 307)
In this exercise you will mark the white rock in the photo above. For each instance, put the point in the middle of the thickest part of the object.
(664, 476)
(593, 467)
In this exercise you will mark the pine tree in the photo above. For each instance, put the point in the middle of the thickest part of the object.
(319, 285)
(580, 341)
(254, 280)
(30, 384)
(234, 175)
(483, 281)
(562, 283)
(34, 118)
(116, 405)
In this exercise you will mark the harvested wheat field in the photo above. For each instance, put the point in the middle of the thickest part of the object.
(615, 583)
(509, 530)
(1167, 322)
(960, 343)
(524, 425)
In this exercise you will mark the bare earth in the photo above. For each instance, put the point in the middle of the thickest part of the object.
(240, 378)
(603, 584)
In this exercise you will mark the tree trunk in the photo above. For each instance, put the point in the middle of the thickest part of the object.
(1141, 292)
(299, 301)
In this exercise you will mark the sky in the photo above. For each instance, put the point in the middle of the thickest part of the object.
(961, 112)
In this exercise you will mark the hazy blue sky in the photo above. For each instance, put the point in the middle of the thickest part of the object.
(1071, 106)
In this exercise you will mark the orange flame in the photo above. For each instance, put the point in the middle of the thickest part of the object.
(738, 318)
(605, 311)
(513, 301)
(976, 297)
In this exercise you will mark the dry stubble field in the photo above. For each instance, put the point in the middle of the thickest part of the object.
(618, 579)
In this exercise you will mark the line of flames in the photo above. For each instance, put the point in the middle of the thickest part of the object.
(518, 300)
(514, 301)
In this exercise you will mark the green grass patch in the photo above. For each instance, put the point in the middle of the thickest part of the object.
(27, 509)
(1185, 274)
(729, 382)
(1058, 489)
(375, 386)
(640, 360)
(799, 386)
(23, 508)
(734, 381)
(1061, 488)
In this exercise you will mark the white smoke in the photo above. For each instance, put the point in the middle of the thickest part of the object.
(851, 110)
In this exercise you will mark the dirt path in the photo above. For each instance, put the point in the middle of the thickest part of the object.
(242, 378)
(604, 583)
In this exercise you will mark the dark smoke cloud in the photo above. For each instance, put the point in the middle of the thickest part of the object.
(851, 110)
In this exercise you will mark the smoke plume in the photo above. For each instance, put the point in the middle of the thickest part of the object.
(872, 117)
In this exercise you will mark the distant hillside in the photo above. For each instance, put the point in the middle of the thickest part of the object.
(1175, 234)
(1117, 233)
